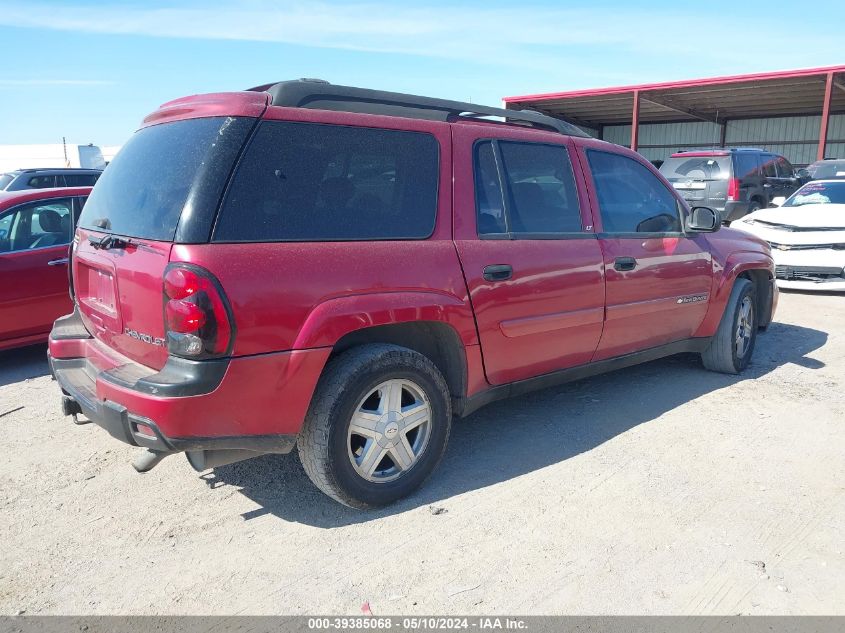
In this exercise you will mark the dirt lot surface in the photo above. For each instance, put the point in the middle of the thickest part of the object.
(663, 489)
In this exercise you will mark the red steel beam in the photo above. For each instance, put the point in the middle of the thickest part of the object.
(828, 96)
(635, 120)
(694, 83)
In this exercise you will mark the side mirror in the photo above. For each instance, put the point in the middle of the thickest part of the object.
(776, 202)
(703, 220)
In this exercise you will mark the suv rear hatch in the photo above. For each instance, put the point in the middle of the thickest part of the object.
(164, 186)
(701, 178)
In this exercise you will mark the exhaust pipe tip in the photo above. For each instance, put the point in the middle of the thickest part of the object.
(203, 460)
(147, 459)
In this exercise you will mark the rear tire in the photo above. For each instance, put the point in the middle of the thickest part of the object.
(377, 426)
(753, 206)
(731, 348)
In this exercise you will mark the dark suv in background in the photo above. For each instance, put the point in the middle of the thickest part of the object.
(734, 181)
(47, 178)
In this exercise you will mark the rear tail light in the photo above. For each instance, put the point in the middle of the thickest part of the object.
(197, 318)
(733, 189)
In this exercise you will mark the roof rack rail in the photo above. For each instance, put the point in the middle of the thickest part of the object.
(322, 95)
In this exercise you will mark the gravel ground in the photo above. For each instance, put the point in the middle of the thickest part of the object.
(662, 489)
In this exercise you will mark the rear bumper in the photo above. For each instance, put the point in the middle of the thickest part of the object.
(254, 403)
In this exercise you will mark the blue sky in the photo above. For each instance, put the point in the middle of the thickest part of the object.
(90, 71)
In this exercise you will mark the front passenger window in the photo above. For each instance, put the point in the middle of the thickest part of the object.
(631, 198)
(36, 225)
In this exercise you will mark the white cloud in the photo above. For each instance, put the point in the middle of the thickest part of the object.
(546, 37)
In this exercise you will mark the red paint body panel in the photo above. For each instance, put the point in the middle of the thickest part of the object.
(259, 395)
(643, 308)
(549, 315)
(33, 293)
(642, 304)
(734, 252)
(119, 289)
(246, 104)
(320, 291)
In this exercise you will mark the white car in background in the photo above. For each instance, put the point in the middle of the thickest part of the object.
(807, 236)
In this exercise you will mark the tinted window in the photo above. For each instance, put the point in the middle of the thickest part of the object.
(747, 165)
(696, 168)
(488, 192)
(541, 188)
(785, 170)
(305, 181)
(80, 180)
(6, 180)
(148, 184)
(36, 225)
(769, 169)
(41, 182)
(631, 198)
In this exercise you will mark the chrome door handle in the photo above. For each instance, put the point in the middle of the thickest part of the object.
(58, 262)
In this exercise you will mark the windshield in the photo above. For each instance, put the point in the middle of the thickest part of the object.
(696, 168)
(827, 169)
(818, 193)
(6, 180)
(162, 170)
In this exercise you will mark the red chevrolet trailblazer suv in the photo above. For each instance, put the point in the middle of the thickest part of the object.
(343, 270)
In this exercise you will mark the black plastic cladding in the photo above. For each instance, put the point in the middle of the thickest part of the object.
(317, 94)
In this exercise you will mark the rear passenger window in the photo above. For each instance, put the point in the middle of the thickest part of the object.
(314, 182)
(631, 198)
(747, 165)
(540, 196)
(80, 180)
(489, 202)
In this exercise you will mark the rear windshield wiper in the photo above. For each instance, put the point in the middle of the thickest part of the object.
(108, 241)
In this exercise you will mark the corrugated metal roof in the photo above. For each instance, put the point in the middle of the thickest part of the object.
(714, 99)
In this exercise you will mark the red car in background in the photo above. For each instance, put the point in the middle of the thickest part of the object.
(36, 227)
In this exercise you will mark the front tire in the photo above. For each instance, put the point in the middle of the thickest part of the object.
(377, 426)
(731, 348)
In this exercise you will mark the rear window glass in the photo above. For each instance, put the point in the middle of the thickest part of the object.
(315, 182)
(145, 188)
(826, 169)
(696, 168)
(5, 180)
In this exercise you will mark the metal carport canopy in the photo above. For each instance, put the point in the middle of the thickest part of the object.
(808, 91)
